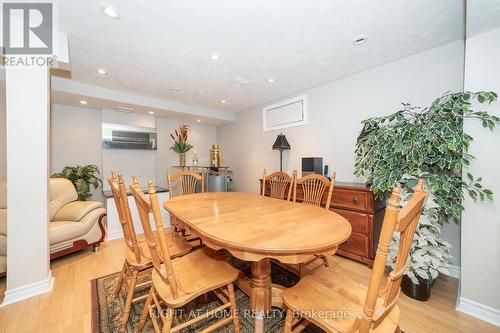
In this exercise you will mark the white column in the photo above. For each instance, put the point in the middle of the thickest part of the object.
(28, 114)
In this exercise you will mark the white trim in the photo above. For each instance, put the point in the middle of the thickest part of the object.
(29, 290)
(114, 235)
(480, 311)
(302, 98)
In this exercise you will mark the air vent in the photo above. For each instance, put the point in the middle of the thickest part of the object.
(124, 109)
(288, 113)
(242, 80)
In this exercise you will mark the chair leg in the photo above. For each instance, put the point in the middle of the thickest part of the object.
(167, 324)
(288, 321)
(234, 308)
(146, 311)
(128, 302)
(398, 330)
(118, 287)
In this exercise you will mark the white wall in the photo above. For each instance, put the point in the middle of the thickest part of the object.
(481, 221)
(76, 139)
(336, 110)
(200, 136)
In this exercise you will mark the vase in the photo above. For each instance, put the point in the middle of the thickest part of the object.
(420, 291)
(182, 159)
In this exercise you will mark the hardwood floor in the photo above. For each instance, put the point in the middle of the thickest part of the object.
(67, 307)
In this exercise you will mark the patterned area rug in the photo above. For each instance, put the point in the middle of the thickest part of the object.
(107, 310)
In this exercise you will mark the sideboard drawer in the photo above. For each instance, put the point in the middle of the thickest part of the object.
(350, 199)
(360, 222)
(357, 244)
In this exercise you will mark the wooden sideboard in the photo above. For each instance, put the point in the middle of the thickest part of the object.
(357, 204)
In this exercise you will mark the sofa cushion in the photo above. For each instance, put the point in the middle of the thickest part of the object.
(3, 245)
(3, 194)
(76, 210)
(3, 264)
(3, 221)
(60, 231)
(61, 192)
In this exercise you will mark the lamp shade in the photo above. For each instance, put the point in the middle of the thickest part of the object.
(281, 142)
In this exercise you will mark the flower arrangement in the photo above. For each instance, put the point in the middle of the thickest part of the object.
(180, 137)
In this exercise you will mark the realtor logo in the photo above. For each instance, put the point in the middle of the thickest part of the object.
(27, 28)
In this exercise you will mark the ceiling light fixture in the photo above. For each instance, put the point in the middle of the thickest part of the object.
(215, 56)
(151, 112)
(198, 120)
(83, 102)
(174, 90)
(110, 12)
(101, 71)
(223, 101)
(270, 80)
(360, 40)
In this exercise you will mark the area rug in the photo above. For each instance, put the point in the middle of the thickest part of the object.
(107, 310)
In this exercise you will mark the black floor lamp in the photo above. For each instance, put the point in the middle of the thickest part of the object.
(281, 144)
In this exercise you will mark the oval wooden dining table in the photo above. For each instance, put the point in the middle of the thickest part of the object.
(256, 228)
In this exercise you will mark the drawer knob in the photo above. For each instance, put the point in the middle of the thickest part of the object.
(355, 201)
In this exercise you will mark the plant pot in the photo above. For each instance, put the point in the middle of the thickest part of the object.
(182, 159)
(421, 291)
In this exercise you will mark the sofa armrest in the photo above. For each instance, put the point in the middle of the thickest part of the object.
(3, 222)
(76, 210)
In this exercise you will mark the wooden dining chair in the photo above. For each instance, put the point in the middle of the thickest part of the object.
(331, 290)
(183, 183)
(138, 257)
(314, 188)
(179, 281)
(280, 185)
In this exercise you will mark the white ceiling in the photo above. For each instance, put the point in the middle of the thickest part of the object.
(158, 45)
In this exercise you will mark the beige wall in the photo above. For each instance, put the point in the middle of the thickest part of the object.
(75, 138)
(481, 221)
(335, 112)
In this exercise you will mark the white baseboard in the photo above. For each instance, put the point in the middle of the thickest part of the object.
(480, 311)
(27, 291)
(114, 235)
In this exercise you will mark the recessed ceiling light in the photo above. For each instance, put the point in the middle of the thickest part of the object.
(270, 80)
(198, 120)
(110, 12)
(215, 56)
(83, 102)
(174, 90)
(223, 101)
(360, 40)
(101, 71)
(151, 112)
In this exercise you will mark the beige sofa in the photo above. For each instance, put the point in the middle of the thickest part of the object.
(73, 225)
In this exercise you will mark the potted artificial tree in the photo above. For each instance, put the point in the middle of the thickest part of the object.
(397, 149)
(180, 145)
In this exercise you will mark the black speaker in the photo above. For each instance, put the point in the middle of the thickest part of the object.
(312, 165)
(325, 171)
